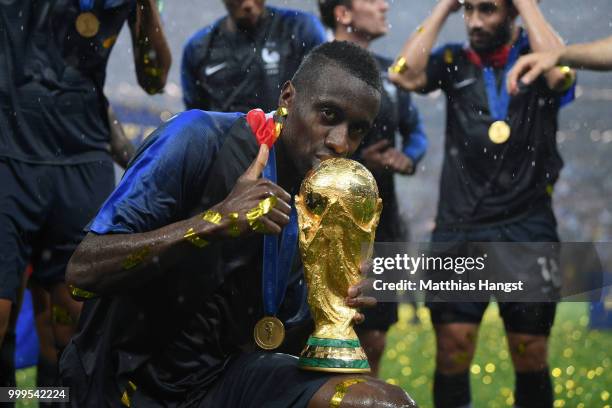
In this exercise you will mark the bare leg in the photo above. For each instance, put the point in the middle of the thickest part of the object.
(47, 370)
(455, 346)
(371, 393)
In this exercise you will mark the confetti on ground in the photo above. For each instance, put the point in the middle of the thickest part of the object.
(579, 360)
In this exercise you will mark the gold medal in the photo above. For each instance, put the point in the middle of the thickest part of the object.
(499, 132)
(269, 333)
(87, 24)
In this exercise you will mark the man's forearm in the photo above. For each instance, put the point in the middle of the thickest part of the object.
(417, 49)
(112, 263)
(542, 37)
(122, 150)
(151, 52)
(596, 55)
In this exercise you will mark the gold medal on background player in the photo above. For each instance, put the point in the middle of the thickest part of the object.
(87, 24)
(269, 333)
(498, 97)
(499, 132)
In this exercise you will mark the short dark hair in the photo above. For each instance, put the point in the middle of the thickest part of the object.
(509, 3)
(353, 59)
(326, 9)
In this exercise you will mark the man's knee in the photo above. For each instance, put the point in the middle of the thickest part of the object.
(529, 352)
(455, 345)
(360, 392)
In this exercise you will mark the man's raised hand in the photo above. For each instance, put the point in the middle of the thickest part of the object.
(248, 192)
(529, 67)
(373, 156)
(398, 162)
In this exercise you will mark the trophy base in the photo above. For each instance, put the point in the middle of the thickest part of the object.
(333, 355)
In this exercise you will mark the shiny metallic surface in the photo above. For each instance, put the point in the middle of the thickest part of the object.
(338, 210)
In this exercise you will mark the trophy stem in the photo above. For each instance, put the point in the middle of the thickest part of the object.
(334, 355)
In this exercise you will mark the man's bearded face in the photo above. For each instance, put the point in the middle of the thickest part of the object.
(489, 23)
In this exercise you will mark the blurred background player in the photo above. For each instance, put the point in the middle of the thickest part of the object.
(55, 139)
(361, 22)
(122, 150)
(500, 164)
(240, 62)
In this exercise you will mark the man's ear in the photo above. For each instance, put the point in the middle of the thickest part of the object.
(287, 95)
(343, 15)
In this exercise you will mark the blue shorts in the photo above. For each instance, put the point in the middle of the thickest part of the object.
(43, 209)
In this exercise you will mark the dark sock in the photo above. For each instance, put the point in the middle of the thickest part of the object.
(7, 360)
(533, 389)
(451, 391)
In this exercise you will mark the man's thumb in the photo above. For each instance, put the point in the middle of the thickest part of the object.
(255, 169)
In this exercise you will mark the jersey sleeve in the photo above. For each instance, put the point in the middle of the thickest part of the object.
(414, 139)
(437, 70)
(568, 96)
(162, 180)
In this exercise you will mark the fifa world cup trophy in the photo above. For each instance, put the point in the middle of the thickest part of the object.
(338, 210)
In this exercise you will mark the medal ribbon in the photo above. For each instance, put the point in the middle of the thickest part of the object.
(499, 101)
(276, 266)
(276, 262)
(86, 5)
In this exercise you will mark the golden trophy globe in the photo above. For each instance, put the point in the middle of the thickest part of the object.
(338, 209)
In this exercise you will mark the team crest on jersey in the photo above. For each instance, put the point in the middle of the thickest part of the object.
(271, 58)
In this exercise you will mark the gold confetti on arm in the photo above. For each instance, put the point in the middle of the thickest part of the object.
(213, 217)
(254, 215)
(81, 293)
(568, 77)
(136, 258)
(234, 229)
(195, 240)
(399, 66)
(341, 390)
